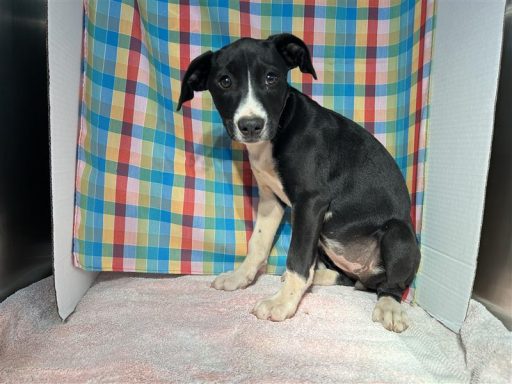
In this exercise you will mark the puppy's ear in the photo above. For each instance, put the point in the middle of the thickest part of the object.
(294, 52)
(196, 77)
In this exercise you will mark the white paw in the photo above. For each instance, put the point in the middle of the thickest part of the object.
(390, 314)
(231, 281)
(275, 309)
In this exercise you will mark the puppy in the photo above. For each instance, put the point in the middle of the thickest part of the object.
(351, 220)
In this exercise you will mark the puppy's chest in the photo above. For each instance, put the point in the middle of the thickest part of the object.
(263, 167)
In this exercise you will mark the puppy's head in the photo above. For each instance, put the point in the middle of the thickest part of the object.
(248, 82)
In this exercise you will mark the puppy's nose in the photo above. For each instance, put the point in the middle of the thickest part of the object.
(251, 126)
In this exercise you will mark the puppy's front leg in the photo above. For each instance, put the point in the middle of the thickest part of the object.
(306, 226)
(270, 213)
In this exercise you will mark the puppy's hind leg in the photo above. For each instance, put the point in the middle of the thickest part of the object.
(327, 273)
(401, 256)
(324, 276)
(270, 213)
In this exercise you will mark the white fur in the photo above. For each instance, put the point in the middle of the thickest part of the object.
(249, 107)
(263, 168)
(390, 314)
(324, 276)
(283, 304)
(328, 216)
(270, 213)
(269, 216)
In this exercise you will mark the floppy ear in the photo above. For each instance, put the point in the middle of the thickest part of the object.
(294, 52)
(196, 77)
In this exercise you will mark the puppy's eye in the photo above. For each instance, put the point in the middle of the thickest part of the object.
(271, 78)
(225, 82)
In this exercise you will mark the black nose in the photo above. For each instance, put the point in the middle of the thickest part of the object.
(250, 126)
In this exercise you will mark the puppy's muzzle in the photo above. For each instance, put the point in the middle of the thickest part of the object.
(251, 128)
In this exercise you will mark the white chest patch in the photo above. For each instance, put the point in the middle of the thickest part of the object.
(263, 167)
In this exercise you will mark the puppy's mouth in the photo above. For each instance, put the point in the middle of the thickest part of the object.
(252, 140)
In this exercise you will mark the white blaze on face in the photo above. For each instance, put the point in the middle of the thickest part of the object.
(249, 107)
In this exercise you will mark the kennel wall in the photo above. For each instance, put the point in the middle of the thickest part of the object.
(459, 135)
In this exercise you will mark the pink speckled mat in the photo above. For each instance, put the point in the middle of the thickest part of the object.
(179, 330)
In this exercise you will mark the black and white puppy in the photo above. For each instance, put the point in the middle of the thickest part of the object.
(350, 206)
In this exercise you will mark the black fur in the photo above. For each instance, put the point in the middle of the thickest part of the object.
(356, 177)
(326, 162)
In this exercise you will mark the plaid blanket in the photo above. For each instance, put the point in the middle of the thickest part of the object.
(167, 192)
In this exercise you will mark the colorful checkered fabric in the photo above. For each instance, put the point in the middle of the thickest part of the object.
(168, 192)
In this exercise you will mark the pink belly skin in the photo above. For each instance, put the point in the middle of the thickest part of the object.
(358, 259)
